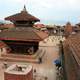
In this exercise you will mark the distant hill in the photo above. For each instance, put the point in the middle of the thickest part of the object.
(5, 22)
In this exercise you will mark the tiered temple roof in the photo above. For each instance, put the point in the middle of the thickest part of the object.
(23, 34)
(22, 16)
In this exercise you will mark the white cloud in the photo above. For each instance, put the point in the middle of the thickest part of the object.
(14, 1)
(56, 9)
(55, 4)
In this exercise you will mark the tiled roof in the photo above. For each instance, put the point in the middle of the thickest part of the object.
(74, 43)
(24, 15)
(71, 48)
(7, 26)
(23, 34)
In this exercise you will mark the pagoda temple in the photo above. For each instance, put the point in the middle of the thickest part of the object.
(22, 19)
(23, 38)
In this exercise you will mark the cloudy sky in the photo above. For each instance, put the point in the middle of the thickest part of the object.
(49, 11)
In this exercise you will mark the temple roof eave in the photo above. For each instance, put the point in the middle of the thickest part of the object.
(23, 34)
(16, 39)
(22, 17)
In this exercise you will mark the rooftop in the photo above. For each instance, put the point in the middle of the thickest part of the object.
(22, 16)
(74, 43)
(23, 34)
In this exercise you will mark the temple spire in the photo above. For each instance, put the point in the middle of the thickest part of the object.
(24, 9)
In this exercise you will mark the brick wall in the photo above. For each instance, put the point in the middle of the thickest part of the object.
(8, 76)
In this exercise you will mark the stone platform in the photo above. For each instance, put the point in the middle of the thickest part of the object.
(22, 58)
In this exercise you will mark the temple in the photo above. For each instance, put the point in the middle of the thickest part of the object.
(22, 19)
(23, 38)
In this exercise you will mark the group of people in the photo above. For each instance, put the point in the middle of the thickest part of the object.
(54, 39)
(35, 76)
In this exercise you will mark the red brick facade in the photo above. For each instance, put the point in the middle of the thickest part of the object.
(28, 76)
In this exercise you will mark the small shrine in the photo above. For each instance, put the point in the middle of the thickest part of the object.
(18, 72)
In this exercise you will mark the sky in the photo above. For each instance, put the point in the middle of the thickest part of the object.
(48, 11)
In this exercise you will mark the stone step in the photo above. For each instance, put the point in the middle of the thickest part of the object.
(10, 59)
(23, 58)
(19, 56)
(34, 56)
